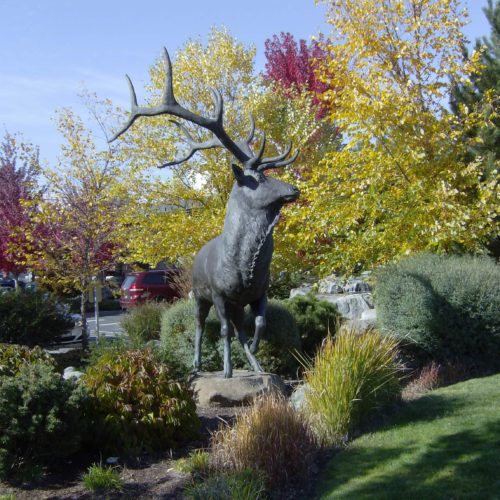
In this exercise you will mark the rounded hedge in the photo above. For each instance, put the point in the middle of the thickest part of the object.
(445, 308)
(279, 341)
(41, 420)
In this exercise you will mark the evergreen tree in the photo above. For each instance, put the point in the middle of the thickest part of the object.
(483, 92)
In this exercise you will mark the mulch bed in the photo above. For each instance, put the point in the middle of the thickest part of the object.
(144, 477)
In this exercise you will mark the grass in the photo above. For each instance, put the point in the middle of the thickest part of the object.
(352, 375)
(197, 463)
(244, 485)
(269, 436)
(100, 478)
(445, 444)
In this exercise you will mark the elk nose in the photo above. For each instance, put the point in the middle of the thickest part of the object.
(293, 194)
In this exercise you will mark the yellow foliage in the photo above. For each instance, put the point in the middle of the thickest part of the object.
(401, 182)
(175, 214)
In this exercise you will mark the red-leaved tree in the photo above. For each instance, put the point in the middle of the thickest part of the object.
(19, 170)
(293, 66)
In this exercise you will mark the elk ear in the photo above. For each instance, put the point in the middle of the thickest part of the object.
(238, 173)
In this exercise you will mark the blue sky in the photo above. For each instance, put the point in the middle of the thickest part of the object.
(52, 49)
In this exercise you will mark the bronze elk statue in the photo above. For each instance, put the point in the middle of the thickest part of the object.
(232, 270)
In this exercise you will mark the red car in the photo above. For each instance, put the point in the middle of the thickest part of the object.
(148, 285)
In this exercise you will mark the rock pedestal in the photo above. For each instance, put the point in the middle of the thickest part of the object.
(213, 390)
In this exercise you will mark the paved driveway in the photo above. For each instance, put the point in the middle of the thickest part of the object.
(109, 324)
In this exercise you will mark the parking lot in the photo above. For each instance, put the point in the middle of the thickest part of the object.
(109, 325)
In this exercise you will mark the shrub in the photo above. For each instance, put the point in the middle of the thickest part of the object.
(282, 283)
(100, 479)
(315, 319)
(31, 318)
(244, 485)
(41, 419)
(444, 308)
(352, 375)
(177, 338)
(111, 346)
(279, 341)
(137, 404)
(143, 322)
(13, 357)
(269, 436)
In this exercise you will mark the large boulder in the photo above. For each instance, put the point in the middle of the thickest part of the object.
(330, 284)
(349, 305)
(213, 390)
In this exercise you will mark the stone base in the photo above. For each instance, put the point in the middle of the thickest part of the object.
(213, 390)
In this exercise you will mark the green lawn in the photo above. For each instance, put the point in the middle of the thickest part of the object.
(443, 445)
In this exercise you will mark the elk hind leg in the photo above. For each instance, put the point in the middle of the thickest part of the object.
(226, 332)
(202, 308)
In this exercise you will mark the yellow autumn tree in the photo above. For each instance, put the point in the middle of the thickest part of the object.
(176, 213)
(74, 235)
(401, 182)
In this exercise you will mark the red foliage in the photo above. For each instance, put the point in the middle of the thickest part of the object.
(293, 65)
(18, 174)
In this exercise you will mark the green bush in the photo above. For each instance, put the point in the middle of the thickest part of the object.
(41, 420)
(351, 376)
(315, 319)
(282, 283)
(31, 318)
(13, 357)
(444, 308)
(136, 403)
(112, 346)
(177, 338)
(279, 341)
(143, 322)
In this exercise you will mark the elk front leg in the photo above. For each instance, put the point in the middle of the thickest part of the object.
(259, 311)
(226, 330)
(238, 316)
(202, 309)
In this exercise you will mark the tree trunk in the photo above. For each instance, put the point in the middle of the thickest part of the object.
(83, 312)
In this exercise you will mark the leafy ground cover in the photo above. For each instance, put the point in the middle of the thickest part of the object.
(445, 444)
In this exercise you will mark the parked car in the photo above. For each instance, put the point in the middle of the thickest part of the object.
(154, 285)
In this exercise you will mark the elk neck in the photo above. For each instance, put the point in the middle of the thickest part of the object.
(248, 240)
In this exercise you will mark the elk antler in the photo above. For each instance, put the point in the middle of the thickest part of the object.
(169, 106)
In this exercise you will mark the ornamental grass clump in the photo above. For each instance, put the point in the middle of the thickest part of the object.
(270, 436)
(352, 375)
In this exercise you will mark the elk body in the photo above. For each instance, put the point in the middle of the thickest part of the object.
(232, 270)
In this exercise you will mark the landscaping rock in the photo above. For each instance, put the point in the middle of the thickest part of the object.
(298, 396)
(330, 284)
(70, 372)
(213, 390)
(302, 290)
(356, 285)
(350, 306)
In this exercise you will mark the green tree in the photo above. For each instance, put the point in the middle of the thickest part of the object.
(483, 90)
(482, 93)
